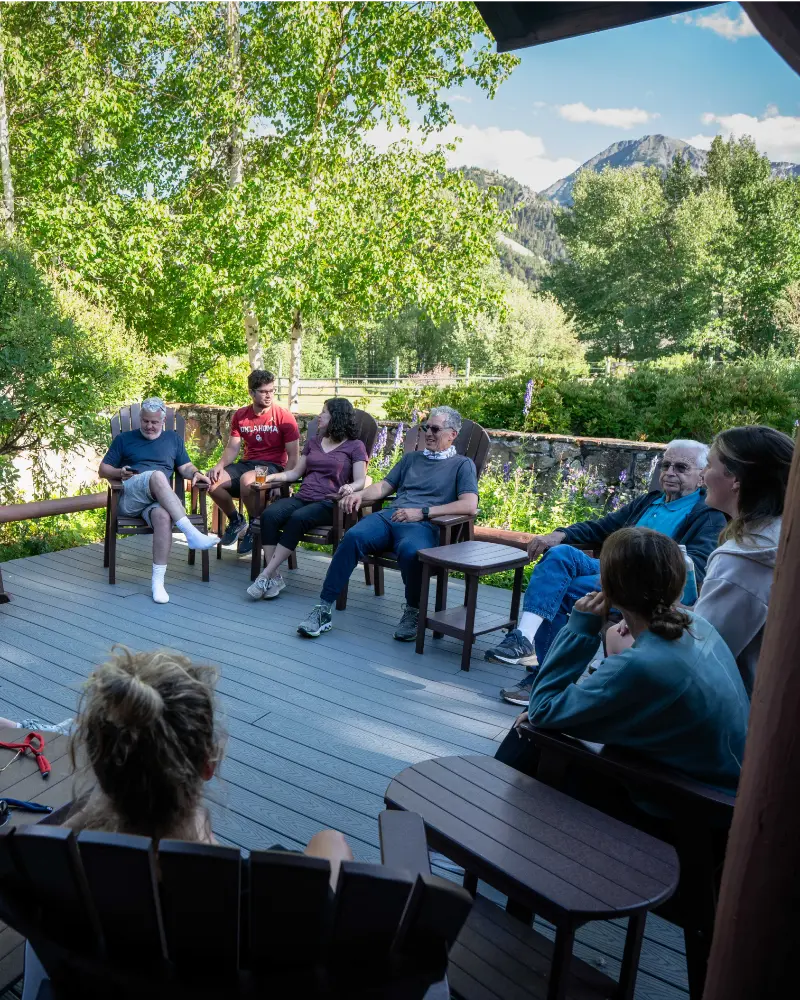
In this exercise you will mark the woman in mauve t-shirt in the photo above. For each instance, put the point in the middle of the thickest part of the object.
(330, 466)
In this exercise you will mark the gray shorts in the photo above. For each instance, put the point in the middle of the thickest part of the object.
(137, 500)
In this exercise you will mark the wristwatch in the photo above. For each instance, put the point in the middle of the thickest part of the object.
(425, 511)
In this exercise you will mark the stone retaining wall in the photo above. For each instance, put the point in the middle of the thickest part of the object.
(605, 458)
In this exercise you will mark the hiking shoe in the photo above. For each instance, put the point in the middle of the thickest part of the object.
(515, 648)
(245, 546)
(236, 527)
(319, 620)
(406, 631)
(520, 694)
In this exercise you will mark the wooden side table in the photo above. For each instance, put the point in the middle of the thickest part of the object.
(474, 560)
(550, 855)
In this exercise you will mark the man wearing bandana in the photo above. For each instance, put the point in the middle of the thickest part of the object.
(428, 484)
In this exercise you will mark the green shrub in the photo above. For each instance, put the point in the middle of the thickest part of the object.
(656, 401)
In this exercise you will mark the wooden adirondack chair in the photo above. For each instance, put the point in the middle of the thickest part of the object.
(367, 428)
(472, 441)
(128, 420)
(700, 819)
(112, 915)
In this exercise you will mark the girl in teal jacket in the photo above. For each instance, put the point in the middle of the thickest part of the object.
(675, 697)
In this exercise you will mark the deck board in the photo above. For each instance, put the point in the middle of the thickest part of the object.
(316, 729)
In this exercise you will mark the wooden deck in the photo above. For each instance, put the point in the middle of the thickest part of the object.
(317, 728)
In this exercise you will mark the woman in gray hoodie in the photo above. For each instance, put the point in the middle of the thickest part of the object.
(746, 478)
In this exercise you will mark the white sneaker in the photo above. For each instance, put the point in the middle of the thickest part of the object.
(266, 588)
(274, 587)
(258, 588)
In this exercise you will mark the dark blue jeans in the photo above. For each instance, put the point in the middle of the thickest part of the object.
(379, 533)
(562, 576)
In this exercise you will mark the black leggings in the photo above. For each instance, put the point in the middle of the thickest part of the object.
(285, 521)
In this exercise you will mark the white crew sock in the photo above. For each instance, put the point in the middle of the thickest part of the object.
(195, 537)
(160, 596)
(528, 624)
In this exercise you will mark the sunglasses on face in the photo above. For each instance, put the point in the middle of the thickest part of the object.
(432, 428)
(680, 467)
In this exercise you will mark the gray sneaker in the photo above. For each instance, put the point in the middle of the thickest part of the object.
(406, 631)
(319, 620)
(274, 587)
(514, 648)
(520, 694)
(259, 588)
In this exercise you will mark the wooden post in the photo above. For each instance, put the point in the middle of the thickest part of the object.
(397, 372)
(608, 366)
(336, 378)
(466, 370)
(280, 376)
(757, 933)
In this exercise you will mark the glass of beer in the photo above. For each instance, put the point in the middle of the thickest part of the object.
(261, 475)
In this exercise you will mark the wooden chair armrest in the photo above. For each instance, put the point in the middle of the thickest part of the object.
(658, 783)
(448, 520)
(403, 842)
(115, 485)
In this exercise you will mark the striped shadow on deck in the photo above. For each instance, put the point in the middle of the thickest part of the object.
(317, 728)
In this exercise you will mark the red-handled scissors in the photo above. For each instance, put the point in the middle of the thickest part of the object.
(33, 744)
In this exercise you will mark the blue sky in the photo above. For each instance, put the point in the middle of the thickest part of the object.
(693, 76)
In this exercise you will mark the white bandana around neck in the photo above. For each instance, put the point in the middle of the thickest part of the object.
(438, 456)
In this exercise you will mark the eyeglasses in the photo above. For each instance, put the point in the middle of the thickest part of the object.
(431, 429)
(680, 467)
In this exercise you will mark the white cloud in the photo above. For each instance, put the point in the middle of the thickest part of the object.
(729, 27)
(509, 151)
(459, 98)
(615, 117)
(700, 141)
(776, 135)
(540, 104)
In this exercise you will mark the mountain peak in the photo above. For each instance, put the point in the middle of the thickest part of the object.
(648, 151)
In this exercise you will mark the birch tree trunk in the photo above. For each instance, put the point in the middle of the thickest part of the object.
(251, 333)
(236, 167)
(5, 155)
(295, 362)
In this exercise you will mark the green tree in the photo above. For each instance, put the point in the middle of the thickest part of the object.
(673, 263)
(64, 362)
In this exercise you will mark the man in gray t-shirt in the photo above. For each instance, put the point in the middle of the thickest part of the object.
(428, 483)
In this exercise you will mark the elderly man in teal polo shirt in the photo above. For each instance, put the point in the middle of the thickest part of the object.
(564, 573)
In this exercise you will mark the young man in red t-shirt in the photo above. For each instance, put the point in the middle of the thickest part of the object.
(271, 439)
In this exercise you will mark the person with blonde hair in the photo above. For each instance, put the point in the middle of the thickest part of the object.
(148, 730)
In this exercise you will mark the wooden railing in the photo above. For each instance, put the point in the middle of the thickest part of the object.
(46, 508)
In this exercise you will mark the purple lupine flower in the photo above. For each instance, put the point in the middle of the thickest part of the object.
(398, 437)
(623, 476)
(506, 471)
(414, 417)
(526, 406)
(380, 442)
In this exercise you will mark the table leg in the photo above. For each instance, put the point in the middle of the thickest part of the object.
(471, 883)
(630, 956)
(562, 960)
(422, 620)
(516, 593)
(4, 598)
(442, 578)
(470, 601)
